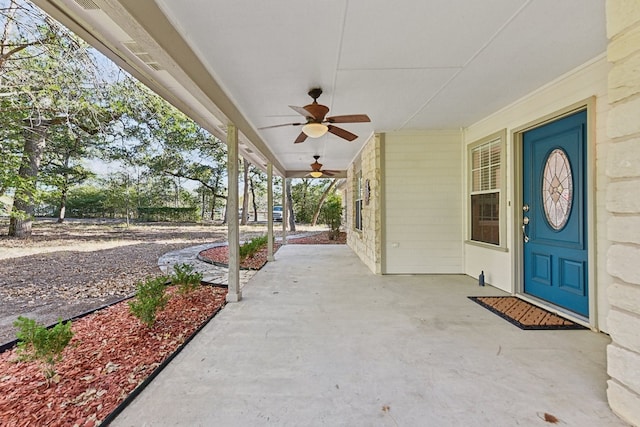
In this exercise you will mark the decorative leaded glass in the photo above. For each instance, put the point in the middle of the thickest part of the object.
(557, 189)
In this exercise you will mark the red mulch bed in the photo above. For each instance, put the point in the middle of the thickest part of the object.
(110, 354)
(320, 239)
(220, 254)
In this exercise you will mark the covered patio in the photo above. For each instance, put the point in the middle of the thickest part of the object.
(442, 82)
(321, 340)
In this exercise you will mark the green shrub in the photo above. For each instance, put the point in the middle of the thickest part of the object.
(185, 278)
(36, 342)
(331, 214)
(249, 248)
(150, 298)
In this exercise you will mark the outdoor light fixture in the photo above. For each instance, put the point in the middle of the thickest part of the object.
(315, 174)
(314, 130)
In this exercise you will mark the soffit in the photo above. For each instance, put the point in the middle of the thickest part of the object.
(441, 64)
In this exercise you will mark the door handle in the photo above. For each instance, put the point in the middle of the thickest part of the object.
(525, 222)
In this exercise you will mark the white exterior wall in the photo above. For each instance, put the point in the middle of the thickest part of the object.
(623, 206)
(422, 222)
(585, 82)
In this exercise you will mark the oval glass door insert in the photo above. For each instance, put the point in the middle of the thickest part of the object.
(557, 189)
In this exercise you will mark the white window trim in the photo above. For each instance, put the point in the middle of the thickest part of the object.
(358, 197)
(500, 136)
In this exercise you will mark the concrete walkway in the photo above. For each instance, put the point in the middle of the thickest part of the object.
(318, 340)
(210, 273)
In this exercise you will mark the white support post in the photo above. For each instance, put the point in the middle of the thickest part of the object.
(233, 294)
(270, 212)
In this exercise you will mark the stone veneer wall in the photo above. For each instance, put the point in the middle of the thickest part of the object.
(366, 243)
(623, 203)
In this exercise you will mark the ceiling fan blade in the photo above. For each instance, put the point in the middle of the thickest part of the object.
(302, 111)
(327, 173)
(344, 134)
(301, 138)
(349, 118)
(284, 124)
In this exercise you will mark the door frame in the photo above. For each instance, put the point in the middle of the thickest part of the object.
(517, 242)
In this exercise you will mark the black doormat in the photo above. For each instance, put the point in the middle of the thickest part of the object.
(524, 314)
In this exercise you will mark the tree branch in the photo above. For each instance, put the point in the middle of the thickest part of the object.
(192, 178)
(6, 55)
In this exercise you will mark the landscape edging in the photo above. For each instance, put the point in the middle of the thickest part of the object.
(136, 391)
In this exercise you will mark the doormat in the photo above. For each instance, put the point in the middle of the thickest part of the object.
(525, 315)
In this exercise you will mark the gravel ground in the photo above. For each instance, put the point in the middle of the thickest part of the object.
(67, 269)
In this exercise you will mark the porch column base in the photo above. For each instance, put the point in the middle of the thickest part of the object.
(233, 297)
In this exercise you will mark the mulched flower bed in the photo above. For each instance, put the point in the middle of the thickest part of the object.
(110, 354)
(220, 254)
(320, 239)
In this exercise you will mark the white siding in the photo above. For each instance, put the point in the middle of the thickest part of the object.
(423, 218)
(585, 82)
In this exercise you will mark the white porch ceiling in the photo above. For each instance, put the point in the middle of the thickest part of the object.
(437, 64)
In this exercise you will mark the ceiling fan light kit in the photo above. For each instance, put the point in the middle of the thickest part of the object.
(318, 124)
(316, 169)
(315, 130)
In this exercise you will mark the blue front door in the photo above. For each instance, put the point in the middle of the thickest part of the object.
(554, 213)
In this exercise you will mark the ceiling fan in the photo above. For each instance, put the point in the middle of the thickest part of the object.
(317, 124)
(316, 169)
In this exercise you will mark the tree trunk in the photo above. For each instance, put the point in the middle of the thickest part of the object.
(226, 212)
(245, 196)
(253, 200)
(176, 184)
(63, 205)
(292, 220)
(214, 196)
(324, 196)
(65, 188)
(35, 137)
(204, 205)
(126, 200)
(213, 205)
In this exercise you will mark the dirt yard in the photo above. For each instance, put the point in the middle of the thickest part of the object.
(67, 269)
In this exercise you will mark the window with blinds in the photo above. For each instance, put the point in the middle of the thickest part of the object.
(486, 181)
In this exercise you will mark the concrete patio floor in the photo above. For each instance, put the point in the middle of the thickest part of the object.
(320, 340)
